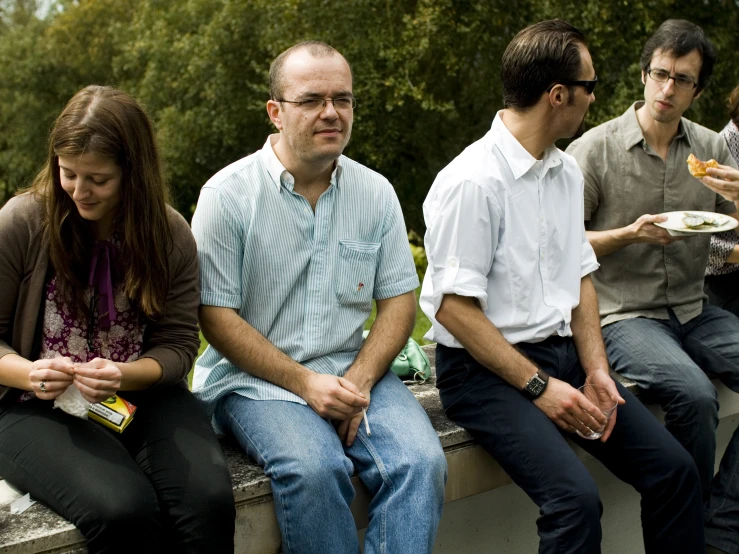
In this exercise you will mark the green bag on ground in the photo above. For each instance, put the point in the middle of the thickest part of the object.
(412, 364)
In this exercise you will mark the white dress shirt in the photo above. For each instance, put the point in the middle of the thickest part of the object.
(507, 229)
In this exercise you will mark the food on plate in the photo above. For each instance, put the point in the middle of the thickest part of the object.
(699, 221)
(698, 168)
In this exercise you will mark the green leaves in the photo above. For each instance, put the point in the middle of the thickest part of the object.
(426, 73)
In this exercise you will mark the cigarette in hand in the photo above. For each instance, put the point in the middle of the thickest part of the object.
(366, 422)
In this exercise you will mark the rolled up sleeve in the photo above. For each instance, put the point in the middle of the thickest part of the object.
(588, 260)
(461, 241)
(396, 271)
(219, 237)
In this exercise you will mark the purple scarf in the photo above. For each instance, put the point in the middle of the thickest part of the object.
(101, 280)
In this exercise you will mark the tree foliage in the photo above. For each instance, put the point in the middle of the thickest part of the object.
(426, 72)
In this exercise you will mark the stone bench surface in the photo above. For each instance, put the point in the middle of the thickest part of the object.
(39, 529)
(250, 482)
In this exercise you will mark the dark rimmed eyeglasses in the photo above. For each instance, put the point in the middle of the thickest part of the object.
(662, 76)
(341, 103)
(589, 85)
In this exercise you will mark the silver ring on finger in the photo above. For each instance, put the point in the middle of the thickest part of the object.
(42, 386)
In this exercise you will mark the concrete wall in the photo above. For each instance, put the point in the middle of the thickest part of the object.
(503, 521)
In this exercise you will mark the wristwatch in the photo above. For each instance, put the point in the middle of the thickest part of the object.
(536, 385)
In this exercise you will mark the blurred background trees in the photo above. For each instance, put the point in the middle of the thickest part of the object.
(426, 73)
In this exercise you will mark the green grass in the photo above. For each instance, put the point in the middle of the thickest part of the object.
(422, 322)
(203, 344)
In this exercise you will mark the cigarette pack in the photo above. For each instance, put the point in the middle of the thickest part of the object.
(115, 412)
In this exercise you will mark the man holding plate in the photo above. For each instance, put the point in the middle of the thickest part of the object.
(650, 283)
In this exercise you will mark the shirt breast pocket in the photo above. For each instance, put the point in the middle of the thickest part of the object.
(355, 272)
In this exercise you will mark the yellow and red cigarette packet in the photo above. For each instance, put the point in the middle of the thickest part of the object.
(115, 412)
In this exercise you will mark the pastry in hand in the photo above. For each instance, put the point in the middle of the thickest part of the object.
(697, 168)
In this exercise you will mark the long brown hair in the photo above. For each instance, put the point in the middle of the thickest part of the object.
(109, 122)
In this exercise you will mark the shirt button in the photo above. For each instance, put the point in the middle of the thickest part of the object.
(452, 262)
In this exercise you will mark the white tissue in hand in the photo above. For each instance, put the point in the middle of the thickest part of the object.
(72, 402)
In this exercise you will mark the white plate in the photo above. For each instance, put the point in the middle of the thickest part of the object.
(677, 228)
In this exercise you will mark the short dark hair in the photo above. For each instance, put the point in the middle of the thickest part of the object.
(315, 48)
(733, 104)
(680, 37)
(539, 56)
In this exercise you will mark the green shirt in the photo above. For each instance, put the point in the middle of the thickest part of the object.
(625, 179)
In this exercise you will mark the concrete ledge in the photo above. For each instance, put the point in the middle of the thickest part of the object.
(471, 471)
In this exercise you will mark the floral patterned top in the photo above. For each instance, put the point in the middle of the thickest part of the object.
(723, 243)
(111, 328)
(64, 334)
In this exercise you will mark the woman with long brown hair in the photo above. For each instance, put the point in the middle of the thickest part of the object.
(99, 296)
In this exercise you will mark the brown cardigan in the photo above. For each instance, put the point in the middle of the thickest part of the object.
(172, 340)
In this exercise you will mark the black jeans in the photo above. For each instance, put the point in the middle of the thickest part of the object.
(723, 291)
(532, 450)
(160, 486)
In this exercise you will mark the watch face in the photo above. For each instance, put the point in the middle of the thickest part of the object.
(535, 385)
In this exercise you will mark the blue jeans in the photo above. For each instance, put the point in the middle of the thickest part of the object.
(673, 363)
(533, 451)
(402, 464)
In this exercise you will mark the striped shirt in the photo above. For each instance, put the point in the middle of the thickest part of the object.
(304, 280)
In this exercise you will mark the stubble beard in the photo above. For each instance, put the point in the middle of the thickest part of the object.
(662, 117)
(580, 129)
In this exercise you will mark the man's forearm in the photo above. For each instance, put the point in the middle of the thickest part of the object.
(586, 332)
(249, 350)
(390, 331)
(607, 242)
(464, 319)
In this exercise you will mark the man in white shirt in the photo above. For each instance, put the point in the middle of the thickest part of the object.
(515, 313)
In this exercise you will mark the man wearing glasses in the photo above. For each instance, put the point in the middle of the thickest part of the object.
(294, 243)
(515, 315)
(657, 330)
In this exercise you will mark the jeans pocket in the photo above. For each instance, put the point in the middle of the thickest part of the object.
(355, 272)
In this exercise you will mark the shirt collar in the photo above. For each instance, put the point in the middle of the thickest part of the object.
(519, 159)
(633, 133)
(280, 175)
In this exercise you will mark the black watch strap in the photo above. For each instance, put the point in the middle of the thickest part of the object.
(536, 385)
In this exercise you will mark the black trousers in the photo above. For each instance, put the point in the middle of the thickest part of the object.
(160, 486)
(532, 450)
(723, 291)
